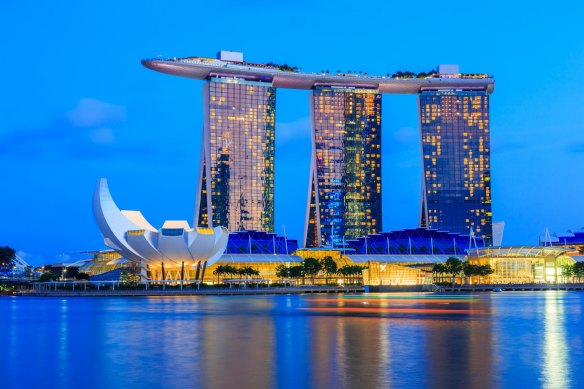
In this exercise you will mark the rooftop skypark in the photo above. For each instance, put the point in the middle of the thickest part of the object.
(231, 64)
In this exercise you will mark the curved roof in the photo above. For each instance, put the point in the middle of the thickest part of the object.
(358, 258)
(205, 68)
(131, 236)
(267, 258)
(519, 252)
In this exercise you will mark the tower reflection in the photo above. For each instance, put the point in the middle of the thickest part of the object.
(556, 369)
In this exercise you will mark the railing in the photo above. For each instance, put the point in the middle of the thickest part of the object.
(222, 64)
(169, 287)
(515, 287)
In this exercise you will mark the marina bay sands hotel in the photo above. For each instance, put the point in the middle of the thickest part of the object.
(236, 178)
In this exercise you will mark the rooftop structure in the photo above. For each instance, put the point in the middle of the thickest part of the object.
(344, 193)
(259, 242)
(570, 238)
(456, 185)
(236, 178)
(523, 264)
(414, 241)
(175, 245)
(284, 76)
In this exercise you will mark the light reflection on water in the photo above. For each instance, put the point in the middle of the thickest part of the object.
(556, 371)
(511, 339)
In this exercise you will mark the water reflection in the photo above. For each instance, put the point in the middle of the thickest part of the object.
(293, 342)
(556, 370)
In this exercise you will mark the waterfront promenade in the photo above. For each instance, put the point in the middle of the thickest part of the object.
(511, 287)
(65, 289)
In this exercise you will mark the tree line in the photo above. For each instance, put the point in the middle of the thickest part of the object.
(311, 267)
(574, 271)
(228, 270)
(454, 267)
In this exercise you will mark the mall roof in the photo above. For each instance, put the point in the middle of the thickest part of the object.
(410, 259)
(267, 258)
(519, 252)
(205, 68)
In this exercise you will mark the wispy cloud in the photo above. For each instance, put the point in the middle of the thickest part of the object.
(577, 148)
(89, 131)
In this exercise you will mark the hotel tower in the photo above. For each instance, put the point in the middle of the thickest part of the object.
(236, 178)
(345, 177)
(454, 126)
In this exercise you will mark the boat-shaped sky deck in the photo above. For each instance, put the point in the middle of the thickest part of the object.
(283, 76)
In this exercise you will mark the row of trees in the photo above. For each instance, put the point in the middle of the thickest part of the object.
(71, 273)
(7, 261)
(311, 267)
(408, 74)
(228, 270)
(574, 271)
(454, 267)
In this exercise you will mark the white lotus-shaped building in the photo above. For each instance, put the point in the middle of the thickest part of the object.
(175, 246)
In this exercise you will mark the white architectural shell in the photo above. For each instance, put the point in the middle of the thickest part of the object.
(131, 236)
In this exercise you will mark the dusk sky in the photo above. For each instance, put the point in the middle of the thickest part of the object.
(77, 105)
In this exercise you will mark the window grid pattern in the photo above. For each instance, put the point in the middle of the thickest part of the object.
(241, 120)
(347, 135)
(456, 161)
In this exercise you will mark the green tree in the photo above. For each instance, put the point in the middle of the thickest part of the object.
(128, 277)
(71, 272)
(219, 271)
(439, 270)
(282, 271)
(296, 271)
(351, 272)
(311, 267)
(48, 276)
(454, 267)
(329, 266)
(579, 270)
(247, 271)
(83, 277)
(485, 270)
(470, 269)
(7, 260)
(231, 271)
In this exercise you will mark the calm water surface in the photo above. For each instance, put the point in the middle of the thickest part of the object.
(498, 340)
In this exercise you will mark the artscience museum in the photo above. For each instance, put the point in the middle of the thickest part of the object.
(174, 252)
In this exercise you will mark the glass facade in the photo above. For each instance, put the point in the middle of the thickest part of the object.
(345, 187)
(259, 242)
(237, 176)
(455, 136)
(523, 264)
(414, 241)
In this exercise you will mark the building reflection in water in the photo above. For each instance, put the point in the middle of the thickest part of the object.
(238, 348)
(459, 354)
(556, 367)
(405, 340)
(527, 340)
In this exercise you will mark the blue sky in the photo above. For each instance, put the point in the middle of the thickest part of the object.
(77, 105)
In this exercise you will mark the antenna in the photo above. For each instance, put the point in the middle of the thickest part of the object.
(285, 238)
(472, 239)
(548, 237)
